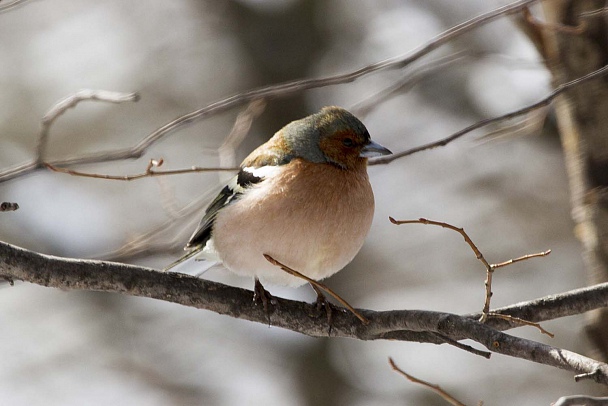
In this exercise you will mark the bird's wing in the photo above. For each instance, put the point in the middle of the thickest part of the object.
(246, 177)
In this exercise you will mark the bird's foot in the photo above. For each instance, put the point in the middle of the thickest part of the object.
(261, 295)
(323, 303)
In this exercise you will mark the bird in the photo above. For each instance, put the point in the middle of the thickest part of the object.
(303, 198)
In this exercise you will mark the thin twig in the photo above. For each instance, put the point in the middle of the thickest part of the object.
(318, 285)
(72, 101)
(420, 73)
(436, 388)
(242, 124)
(478, 255)
(530, 124)
(521, 321)
(489, 267)
(522, 258)
(580, 400)
(542, 103)
(146, 174)
(49, 118)
(408, 81)
(167, 237)
(466, 237)
(155, 240)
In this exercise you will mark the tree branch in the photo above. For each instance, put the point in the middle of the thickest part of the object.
(482, 123)
(57, 110)
(412, 325)
(434, 387)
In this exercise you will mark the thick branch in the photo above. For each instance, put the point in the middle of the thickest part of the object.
(413, 325)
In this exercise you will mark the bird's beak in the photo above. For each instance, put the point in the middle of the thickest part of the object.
(374, 149)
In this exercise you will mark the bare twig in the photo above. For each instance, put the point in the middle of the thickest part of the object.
(459, 230)
(70, 102)
(149, 172)
(411, 325)
(421, 73)
(409, 80)
(522, 258)
(240, 129)
(521, 321)
(542, 103)
(151, 240)
(317, 285)
(8, 206)
(49, 118)
(478, 255)
(530, 124)
(165, 238)
(436, 388)
(489, 267)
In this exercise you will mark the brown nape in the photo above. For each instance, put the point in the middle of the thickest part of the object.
(343, 149)
(267, 154)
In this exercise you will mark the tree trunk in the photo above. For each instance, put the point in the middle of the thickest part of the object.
(575, 42)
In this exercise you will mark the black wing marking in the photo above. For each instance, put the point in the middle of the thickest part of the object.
(245, 179)
(229, 194)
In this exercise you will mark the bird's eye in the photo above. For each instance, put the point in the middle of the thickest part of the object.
(348, 142)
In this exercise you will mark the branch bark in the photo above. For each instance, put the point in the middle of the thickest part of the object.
(407, 325)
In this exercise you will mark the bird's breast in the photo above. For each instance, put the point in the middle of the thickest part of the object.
(311, 217)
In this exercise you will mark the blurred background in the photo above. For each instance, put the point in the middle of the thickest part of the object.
(510, 194)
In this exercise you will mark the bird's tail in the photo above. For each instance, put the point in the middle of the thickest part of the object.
(184, 258)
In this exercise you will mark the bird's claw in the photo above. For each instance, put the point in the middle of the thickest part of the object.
(323, 303)
(261, 295)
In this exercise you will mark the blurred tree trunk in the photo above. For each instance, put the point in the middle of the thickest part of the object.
(278, 46)
(582, 116)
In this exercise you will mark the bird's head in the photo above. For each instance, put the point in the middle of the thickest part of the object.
(333, 135)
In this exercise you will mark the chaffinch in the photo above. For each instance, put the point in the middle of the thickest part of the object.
(303, 198)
